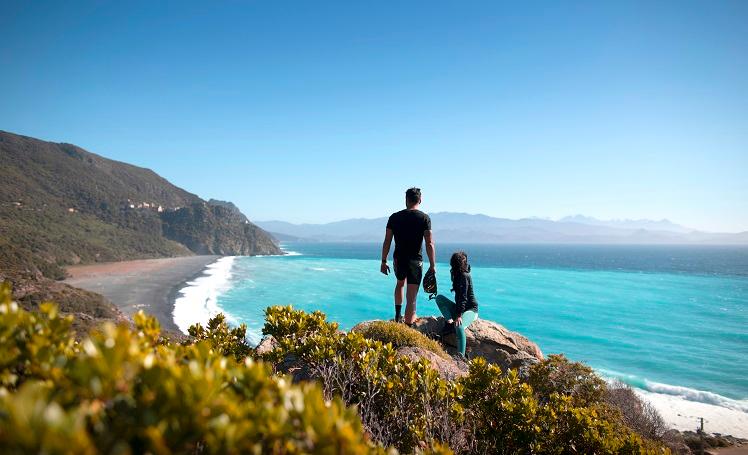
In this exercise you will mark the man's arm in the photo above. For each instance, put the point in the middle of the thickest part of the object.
(430, 249)
(386, 251)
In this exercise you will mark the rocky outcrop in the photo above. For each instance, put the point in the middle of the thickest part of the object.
(448, 368)
(689, 442)
(486, 339)
(489, 340)
(217, 229)
(267, 344)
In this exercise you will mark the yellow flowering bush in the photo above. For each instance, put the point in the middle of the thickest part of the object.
(120, 391)
(405, 404)
(124, 389)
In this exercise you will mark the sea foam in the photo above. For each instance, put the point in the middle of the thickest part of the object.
(682, 407)
(198, 300)
(683, 414)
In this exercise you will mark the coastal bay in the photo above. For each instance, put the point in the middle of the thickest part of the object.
(150, 285)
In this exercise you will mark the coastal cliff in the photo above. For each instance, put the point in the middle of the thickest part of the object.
(61, 205)
(216, 228)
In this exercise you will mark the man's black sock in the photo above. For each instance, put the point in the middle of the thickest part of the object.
(398, 309)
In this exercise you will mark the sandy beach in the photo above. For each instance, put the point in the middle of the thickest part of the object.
(150, 285)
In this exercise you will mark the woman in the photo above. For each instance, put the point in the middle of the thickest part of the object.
(461, 313)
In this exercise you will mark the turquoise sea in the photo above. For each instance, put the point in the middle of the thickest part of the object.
(667, 319)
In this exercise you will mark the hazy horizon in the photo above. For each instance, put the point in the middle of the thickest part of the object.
(560, 219)
(322, 112)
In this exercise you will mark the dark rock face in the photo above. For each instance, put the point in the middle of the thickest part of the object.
(296, 368)
(489, 340)
(216, 229)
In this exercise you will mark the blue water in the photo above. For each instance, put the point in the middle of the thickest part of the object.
(673, 315)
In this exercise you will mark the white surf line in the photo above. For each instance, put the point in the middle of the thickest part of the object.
(198, 300)
(682, 407)
(683, 414)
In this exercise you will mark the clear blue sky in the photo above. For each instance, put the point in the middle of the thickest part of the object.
(318, 111)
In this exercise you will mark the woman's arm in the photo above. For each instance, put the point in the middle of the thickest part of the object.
(461, 294)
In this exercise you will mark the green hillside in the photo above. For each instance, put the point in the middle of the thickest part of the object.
(61, 205)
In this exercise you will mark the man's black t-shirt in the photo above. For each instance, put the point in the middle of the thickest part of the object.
(408, 227)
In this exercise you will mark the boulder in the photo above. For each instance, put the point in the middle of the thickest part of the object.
(489, 340)
(266, 345)
(448, 368)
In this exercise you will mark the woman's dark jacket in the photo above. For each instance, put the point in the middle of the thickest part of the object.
(462, 285)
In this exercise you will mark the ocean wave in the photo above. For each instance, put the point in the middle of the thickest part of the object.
(285, 253)
(685, 393)
(700, 396)
(683, 407)
(198, 300)
(683, 414)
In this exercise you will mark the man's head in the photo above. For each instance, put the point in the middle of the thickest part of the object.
(412, 197)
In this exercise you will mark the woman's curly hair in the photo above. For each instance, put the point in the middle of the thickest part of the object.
(459, 262)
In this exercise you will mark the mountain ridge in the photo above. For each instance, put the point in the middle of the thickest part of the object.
(62, 205)
(480, 228)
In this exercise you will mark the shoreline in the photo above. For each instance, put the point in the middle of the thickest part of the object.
(197, 299)
(151, 285)
(683, 415)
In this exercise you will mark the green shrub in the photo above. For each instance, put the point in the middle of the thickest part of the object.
(400, 335)
(404, 403)
(127, 390)
(123, 391)
(228, 341)
(32, 345)
(508, 419)
(637, 414)
(557, 374)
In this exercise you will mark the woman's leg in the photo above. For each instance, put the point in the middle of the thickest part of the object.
(446, 306)
(467, 318)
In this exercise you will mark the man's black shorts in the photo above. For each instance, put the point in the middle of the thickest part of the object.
(412, 270)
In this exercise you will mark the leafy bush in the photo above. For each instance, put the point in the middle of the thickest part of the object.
(226, 340)
(508, 419)
(127, 390)
(636, 413)
(583, 387)
(400, 335)
(557, 374)
(406, 404)
(401, 403)
(32, 345)
(121, 390)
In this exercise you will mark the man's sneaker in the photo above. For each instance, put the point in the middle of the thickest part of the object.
(400, 320)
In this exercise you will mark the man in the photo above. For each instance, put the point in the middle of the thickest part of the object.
(409, 228)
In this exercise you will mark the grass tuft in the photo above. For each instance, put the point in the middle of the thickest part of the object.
(400, 335)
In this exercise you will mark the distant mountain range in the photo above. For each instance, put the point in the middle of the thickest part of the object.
(466, 228)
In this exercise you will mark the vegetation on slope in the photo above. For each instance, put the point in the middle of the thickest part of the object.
(62, 205)
(125, 391)
(130, 391)
(405, 404)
